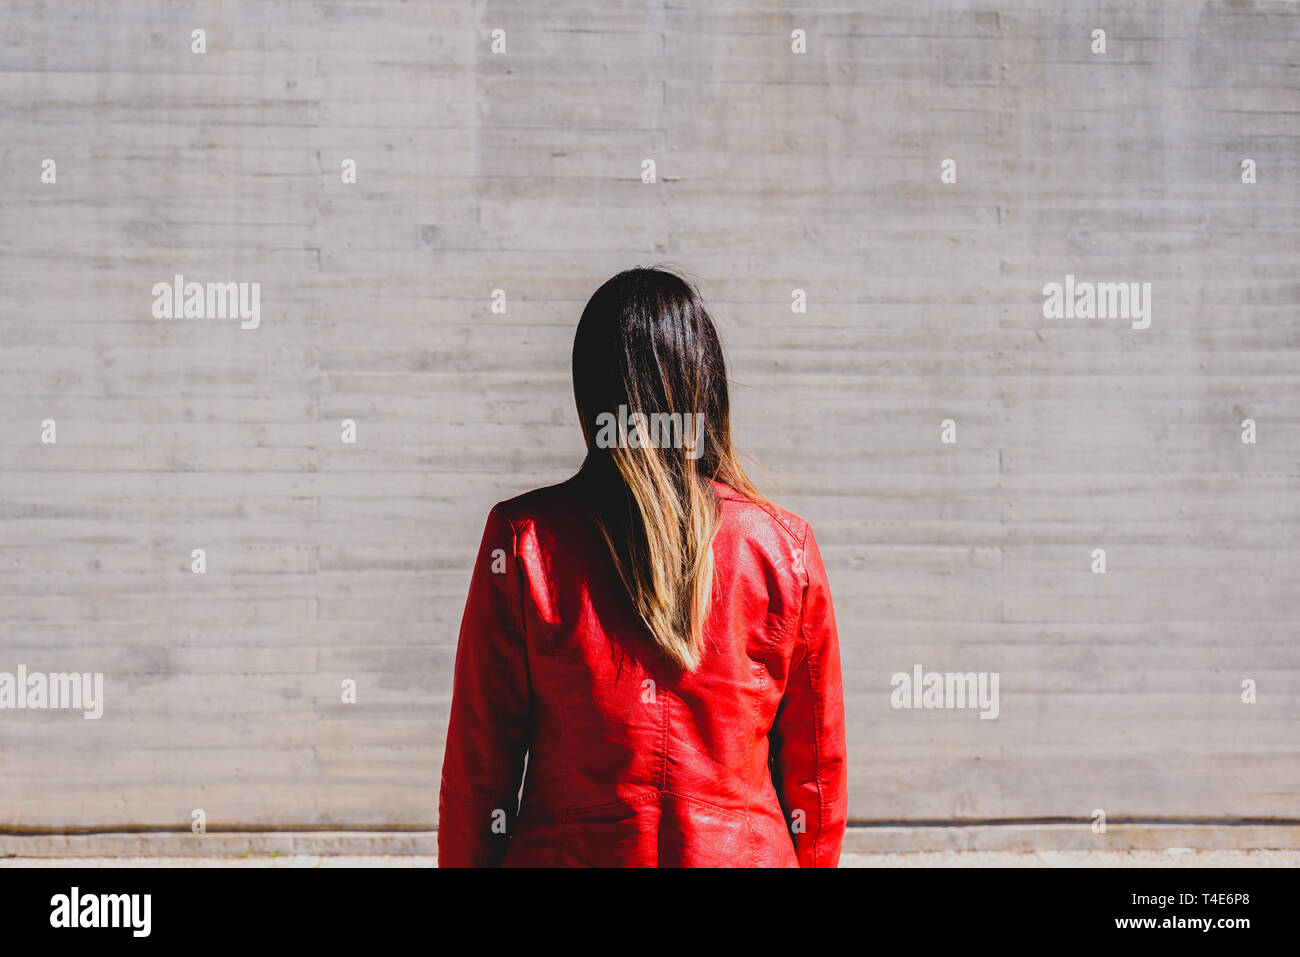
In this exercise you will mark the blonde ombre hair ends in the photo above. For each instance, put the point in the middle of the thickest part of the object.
(650, 384)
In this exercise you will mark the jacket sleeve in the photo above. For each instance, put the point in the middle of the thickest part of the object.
(488, 730)
(807, 738)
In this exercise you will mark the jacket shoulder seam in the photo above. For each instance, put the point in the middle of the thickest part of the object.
(786, 526)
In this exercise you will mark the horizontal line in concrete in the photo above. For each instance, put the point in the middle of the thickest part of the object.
(1174, 858)
(880, 838)
(1157, 821)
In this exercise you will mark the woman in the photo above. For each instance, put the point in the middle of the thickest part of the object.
(652, 634)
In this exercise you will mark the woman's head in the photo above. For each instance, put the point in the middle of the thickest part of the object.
(650, 383)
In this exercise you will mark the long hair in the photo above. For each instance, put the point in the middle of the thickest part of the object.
(650, 384)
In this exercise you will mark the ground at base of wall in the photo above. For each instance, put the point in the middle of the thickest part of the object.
(1176, 857)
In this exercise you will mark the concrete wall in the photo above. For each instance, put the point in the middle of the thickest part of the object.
(775, 171)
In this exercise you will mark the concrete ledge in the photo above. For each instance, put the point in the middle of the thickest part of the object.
(1023, 837)
(234, 844)
(1174, 857)
(1059, 859)
(860, 840)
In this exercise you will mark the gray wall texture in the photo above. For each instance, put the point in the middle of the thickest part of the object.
(775, 171)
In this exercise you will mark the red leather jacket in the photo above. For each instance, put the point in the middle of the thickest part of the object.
(631, 761)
